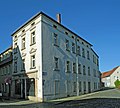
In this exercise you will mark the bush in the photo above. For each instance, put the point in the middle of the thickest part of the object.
(117, 83)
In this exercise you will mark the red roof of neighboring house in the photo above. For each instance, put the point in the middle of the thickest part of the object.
(108, 73)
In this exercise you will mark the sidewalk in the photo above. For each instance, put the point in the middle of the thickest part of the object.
(62, 100)
(56, 101)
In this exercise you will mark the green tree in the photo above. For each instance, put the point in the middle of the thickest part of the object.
(117, 83)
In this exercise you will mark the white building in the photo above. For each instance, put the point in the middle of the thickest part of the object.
(109, 77)
(50, 61)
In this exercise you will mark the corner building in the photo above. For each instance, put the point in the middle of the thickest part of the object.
(50, 61)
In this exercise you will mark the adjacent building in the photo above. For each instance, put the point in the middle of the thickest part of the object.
(6, 72)
(50, 61)
(109, 77)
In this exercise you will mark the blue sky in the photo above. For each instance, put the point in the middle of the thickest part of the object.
(97, 21)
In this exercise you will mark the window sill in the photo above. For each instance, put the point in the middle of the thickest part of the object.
(23, 49)
(32, 44)
(33, 68)
(74, 73)
(68, 50)
(56, 69)
(67, 71)
(56, 45)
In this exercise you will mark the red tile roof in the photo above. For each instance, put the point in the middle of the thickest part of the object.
(108, 73)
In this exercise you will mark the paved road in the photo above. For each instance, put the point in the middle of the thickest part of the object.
(102, 99)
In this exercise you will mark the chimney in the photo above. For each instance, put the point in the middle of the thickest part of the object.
(59, 18)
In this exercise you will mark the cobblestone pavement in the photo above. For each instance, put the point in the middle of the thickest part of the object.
(102, 99)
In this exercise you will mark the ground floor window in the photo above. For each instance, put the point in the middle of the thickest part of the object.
(17, 87)
(80, 88)
(30, 87)
(84, 86)
(57, 87)
(74, 86)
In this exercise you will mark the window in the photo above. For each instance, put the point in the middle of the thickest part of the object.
(15, 67)
(67, 66)
(10, 69)
(78, 50)
(84, 73)
(83, 52)
(94, 72)
(33, 61)
(67, 45)
(88, 71)
(54, 26)
(15, 47)
(18, 87)
(23, 43)
(80, 88)
(32, 37)
(74, 68)
(84, 86)
(56, 63)
(55, 39)
(79, 68)
(23, 31)
(57, 87)
(33, 24)
(94, 59)
(74, 86)
(23, 64)
(97, 62)
(73, 47)
(88, 55)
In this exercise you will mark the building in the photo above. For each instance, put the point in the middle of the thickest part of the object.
(6, 72)
(50, 61)
(109, 77)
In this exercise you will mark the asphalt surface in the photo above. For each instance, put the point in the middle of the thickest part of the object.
(102, 99)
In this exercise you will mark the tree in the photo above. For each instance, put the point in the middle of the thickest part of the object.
(117, 83)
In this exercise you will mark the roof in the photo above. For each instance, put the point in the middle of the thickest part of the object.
(41, 13)
(6, 50)
(108, 73)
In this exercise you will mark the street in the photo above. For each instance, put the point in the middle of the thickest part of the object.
(101, 99)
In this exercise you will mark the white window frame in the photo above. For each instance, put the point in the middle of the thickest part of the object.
(79, 68)
(67, 66)
(33, 61)
(56, 63)
(74, 67)
(73, 47)
(67, 45)
(33, 35)
(23, 43)
(55, 37)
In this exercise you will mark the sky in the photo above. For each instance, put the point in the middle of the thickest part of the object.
(97, 21)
